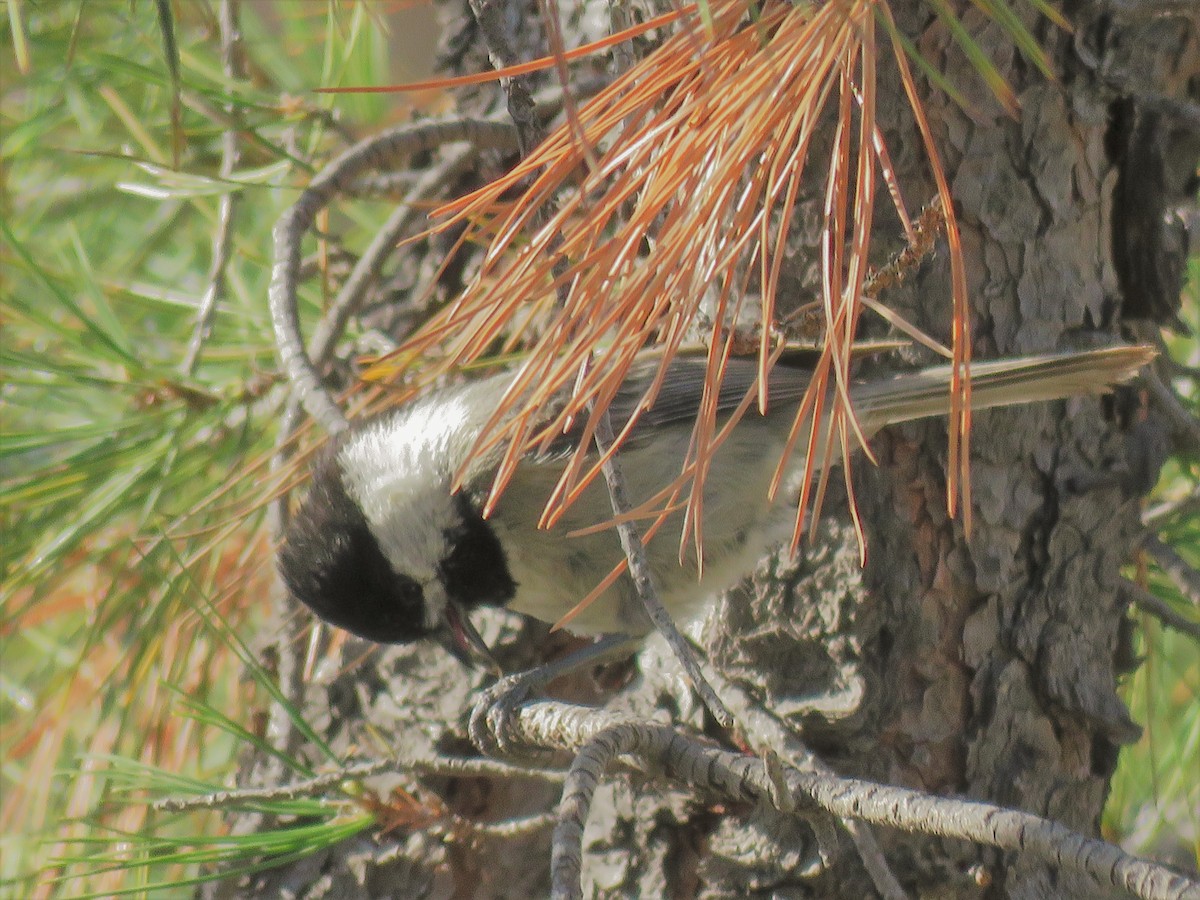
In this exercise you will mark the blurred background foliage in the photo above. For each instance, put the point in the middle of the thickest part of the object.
(134, 532)
(1155, 798)
(135, 549)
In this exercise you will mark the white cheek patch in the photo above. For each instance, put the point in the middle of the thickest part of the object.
(436, 602)
(399, 470)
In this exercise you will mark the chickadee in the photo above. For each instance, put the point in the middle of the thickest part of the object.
(384, 548)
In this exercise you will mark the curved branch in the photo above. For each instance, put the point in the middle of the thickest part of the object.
(345, 175)
(340, 175)
(365, 271)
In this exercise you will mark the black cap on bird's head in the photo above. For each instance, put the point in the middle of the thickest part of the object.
(332, 562)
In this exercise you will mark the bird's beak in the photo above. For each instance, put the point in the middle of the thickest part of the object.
(464, 643)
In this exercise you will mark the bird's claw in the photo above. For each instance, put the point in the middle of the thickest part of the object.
(493, 727)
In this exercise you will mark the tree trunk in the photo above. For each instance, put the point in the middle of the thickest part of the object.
(979, 665)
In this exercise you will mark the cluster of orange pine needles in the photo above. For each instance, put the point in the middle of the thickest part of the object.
(671, 190)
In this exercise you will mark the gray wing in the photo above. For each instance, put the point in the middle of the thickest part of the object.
(678, 400)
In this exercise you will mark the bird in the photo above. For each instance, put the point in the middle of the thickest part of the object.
(391, 542)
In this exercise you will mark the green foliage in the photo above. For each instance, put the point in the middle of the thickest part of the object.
(133, 486)
(1154, 807)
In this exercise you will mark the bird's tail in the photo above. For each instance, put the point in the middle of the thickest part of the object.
(1001, 382)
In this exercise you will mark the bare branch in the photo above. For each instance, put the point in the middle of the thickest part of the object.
(1158, 515)
(737, 777)
(493, 18)
(764, 729)
(1180, 416)
(375, 153)
(1176, 568)
(222, 243)
(449, 767)
(643, 580)
(1152, 605)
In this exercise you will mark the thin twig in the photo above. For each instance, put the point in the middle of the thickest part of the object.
(930, 223)
(1182, 575)
(874, 861)
(493, 17)
(1161, 610)
(384, 186)
(222, 244)
(643, 579)
(343, 176)
(763, 730)
(1158, 515)
(506, 829)
(1180, 416)
(479, 767)
(375, 153)
(383, 245)
(448, 767)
